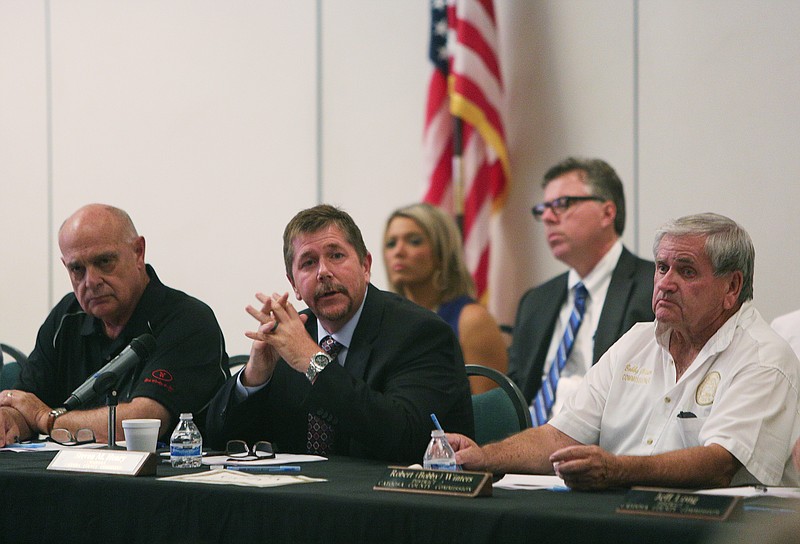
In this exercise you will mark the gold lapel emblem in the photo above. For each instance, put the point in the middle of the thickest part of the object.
(707, 389)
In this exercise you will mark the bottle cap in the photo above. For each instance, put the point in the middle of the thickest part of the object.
(186, 415)
(437, 432)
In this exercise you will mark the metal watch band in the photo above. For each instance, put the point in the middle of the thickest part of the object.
(54, 414)
(315, 367)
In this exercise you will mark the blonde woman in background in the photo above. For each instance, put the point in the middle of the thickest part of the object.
(424, 263)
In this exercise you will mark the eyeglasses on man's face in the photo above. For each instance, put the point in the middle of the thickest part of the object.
(561, 204)
(66, 438)
(239, 450)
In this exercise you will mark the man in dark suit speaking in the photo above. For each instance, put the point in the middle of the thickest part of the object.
(584, 216)
(358, 373)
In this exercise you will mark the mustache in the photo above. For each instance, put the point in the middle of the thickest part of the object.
(329, 288)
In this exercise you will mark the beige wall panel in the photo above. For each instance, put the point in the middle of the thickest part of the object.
(569, 80)
(719, 126)
(23, 172)
(375, 76)
(199, 119)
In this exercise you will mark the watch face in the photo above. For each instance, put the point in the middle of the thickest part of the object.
(321, 360)
(318, 362)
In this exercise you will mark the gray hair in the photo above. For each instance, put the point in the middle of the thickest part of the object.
(728, 245)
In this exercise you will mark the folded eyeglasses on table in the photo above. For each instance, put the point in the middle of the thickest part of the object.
(240, 451)
(66, 438)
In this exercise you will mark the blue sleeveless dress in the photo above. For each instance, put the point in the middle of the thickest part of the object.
(450, 311)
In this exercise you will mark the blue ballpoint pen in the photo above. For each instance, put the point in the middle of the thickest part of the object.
(265, 469)
(27, 445)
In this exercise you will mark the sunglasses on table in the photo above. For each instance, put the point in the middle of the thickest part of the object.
(240, 451)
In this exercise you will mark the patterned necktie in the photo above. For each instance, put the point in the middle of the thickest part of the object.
(542, 404)
(320, 432)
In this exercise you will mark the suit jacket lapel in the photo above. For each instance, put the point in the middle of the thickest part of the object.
(545, 320)
(542, 325)
(613, 313)
(360, 348)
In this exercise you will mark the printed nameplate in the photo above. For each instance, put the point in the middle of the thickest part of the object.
(435, 482)
(126, 463)
(677, 503)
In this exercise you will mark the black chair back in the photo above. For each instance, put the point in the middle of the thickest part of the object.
(11, 369)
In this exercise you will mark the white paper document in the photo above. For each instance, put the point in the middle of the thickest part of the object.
(279, 459)
(230, 477)
(531, 481)
(754, 491)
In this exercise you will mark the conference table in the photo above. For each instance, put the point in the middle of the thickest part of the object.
(40, 505)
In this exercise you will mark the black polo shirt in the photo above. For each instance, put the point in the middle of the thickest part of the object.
(187, 367)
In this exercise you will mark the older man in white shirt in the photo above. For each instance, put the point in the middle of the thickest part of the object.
(706, 396)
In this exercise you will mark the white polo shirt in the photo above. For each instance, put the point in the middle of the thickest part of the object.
(742, 388)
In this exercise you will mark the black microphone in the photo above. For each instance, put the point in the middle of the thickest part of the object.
(138, 350)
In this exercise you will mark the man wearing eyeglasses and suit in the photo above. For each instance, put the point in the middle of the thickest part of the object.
(584, 216)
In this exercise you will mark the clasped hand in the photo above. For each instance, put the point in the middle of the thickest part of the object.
(281, 334)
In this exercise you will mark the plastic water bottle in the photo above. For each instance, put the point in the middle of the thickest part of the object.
(186, 444)
(440, 454)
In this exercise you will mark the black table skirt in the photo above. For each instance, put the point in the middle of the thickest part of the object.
(38, 505)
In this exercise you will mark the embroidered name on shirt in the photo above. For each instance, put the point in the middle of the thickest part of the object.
(636, 374)
(707, 389)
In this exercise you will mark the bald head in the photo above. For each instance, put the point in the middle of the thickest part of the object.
(104, 256)
(101, 217)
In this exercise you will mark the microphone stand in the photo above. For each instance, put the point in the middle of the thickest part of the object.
(111, 402)
(105, 383)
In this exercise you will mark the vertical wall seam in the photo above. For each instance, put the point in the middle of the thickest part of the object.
(48, 67)
(318, 63)
(636, 222)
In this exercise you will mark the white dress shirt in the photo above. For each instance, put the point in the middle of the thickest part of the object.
(580, 359)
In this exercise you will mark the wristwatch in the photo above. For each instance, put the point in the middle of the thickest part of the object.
(54, 414)
(317, 364)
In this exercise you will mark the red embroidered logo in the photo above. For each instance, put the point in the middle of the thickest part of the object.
(161, 378)
(162, 375)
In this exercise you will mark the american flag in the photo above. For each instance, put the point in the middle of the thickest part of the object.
(466, 84)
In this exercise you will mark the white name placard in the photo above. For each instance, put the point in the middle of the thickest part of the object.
(123, 462)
